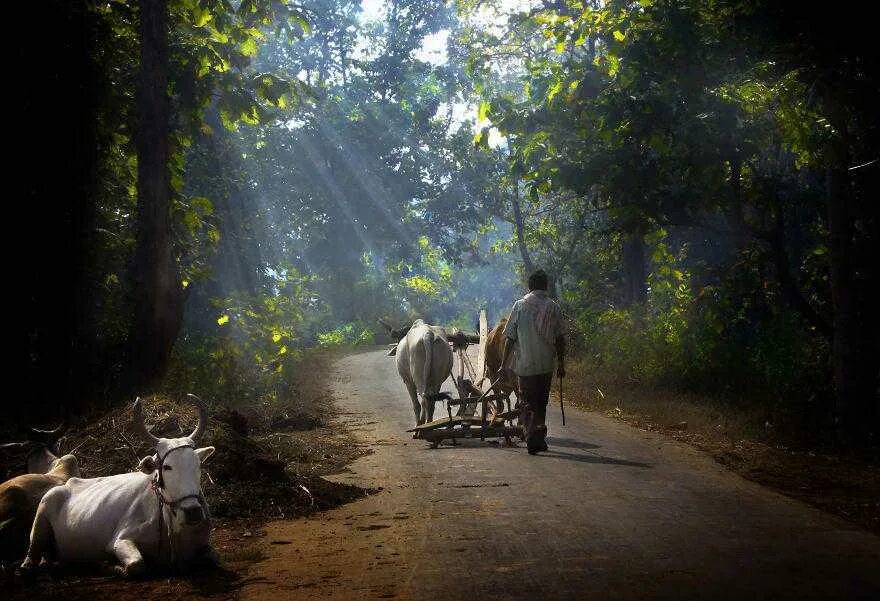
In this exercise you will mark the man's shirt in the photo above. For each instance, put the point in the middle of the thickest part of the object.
(534, 324)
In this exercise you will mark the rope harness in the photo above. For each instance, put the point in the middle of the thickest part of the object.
(157, 486)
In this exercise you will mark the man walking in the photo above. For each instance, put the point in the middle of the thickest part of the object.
(536, 330)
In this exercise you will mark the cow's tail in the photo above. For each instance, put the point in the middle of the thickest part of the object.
(428, 343)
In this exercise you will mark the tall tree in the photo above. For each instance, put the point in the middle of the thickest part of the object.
(158, 294)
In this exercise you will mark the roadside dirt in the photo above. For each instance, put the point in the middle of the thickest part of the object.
(840, 482)
(270, 463)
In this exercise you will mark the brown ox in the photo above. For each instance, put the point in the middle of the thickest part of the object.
(494, 353)
(19, 498)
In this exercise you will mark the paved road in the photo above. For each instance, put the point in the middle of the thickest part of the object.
(611, 513)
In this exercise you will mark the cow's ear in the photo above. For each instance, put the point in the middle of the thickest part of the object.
(204, 453)
(147, 465)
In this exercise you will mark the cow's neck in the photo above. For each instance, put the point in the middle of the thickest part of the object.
(180, 543)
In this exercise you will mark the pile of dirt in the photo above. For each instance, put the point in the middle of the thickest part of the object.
(248, 477)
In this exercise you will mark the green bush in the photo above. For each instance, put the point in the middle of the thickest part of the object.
(736, 339)
(348, 334)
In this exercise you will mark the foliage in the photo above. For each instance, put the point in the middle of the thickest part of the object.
(347, 334)
(695, 176)
(696, 139)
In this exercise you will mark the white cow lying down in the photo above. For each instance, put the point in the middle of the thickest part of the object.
(157, 514)
(424, 361)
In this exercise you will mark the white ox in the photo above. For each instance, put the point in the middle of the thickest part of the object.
(424, 361)
(157, 514)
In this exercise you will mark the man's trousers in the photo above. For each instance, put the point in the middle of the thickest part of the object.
(534, 393)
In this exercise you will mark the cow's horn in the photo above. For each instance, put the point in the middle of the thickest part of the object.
(137, 422)
(48, 436)
(203, 417)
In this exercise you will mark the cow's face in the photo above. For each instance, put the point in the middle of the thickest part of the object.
(180, 474)
(177, 466)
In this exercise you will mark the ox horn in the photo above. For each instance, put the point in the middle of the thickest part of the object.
(48, 436)
(203, 417)
(137, 422)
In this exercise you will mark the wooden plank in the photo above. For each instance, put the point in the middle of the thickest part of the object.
(441, 434)
(476, 399)
(512, 414)
(445, 422)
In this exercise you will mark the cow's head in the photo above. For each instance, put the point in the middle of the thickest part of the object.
(177, 467)
(395, 333)
(41, 449)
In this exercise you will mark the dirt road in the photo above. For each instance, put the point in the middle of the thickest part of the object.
(610, 513)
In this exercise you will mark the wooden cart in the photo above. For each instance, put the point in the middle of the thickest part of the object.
(481, 414)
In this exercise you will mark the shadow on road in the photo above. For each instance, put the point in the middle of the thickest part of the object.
(214, 580)
(466, 443)
(570, 443)
(554, 454)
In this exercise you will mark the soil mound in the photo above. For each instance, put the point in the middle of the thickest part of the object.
(247, 477)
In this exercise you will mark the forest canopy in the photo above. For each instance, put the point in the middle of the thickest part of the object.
(209, 189)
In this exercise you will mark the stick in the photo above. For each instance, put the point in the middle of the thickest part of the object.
(561, 406)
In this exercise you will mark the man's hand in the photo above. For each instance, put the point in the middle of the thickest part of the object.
(560, 370)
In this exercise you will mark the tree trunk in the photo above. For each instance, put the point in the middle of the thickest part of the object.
(787, 282)
(158, 299)
(736, 213)
(635, 273)
(85, 370)
(519, 223)
(854, 380)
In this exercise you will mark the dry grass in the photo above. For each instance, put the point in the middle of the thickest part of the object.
(743, 440)
(655, 408)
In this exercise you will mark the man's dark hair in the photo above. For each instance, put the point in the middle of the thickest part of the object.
(538, 280)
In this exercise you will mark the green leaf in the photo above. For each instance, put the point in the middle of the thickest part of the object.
(202, 204)
(222, 320)
(201, 16)
(613, 65)
(483, 111)
(248, 47)
(300, 20)
(618, 35)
